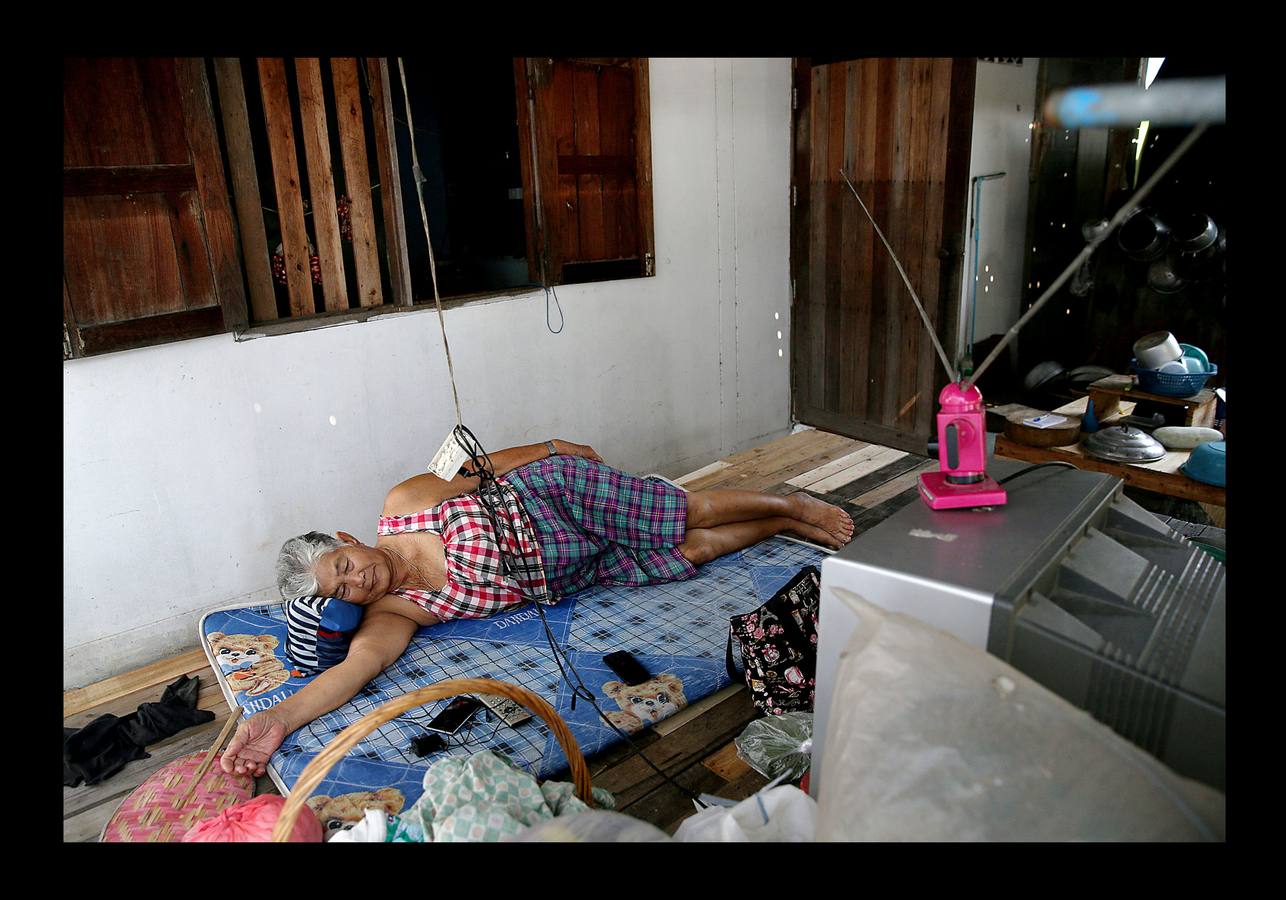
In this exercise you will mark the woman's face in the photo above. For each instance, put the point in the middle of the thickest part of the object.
(354, 573)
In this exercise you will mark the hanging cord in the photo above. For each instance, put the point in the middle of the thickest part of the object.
(1085, 254)
(942, 355)
(562, 320)
(424, 216)
(489, 493)
(491, 496)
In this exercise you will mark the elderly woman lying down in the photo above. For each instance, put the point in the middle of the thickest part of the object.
(573, 519)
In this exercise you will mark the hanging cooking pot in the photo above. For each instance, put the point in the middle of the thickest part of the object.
(1123, 443)
(1143, 237)
(1198, 242)
(1194, 232)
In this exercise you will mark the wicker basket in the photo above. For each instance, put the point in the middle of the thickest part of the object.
(316, 770)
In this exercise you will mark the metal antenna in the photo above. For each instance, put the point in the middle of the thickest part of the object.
(918, 305)
(1091, 247)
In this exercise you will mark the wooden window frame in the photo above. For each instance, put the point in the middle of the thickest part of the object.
(238, 242)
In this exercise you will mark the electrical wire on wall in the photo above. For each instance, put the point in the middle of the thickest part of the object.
(562, 320)
(490, 493)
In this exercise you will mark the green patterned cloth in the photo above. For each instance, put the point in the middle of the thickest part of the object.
(484, 797)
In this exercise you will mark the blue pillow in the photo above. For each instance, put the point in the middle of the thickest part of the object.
(319, 630)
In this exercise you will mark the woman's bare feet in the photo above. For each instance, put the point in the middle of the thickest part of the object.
(836, 524)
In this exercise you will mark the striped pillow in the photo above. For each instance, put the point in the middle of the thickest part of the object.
(318, 631)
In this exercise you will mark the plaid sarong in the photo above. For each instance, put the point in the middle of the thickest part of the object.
(598, 525)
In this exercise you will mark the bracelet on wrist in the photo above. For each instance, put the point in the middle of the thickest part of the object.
(553, 451)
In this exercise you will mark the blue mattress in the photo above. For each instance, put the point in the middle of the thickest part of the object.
(678, 629)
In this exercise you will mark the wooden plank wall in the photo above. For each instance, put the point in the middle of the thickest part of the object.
(863, 364)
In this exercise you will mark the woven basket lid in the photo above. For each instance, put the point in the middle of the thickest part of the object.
(148, 814)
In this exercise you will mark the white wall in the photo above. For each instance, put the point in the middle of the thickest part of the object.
(1004, 108)
(185, 466)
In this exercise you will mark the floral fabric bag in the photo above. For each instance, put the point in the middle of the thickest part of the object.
(778, 643)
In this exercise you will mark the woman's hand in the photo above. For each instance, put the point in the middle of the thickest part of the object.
(253, 743)
(567, 448)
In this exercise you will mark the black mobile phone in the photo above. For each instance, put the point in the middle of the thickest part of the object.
(626, 667)
(457, 713)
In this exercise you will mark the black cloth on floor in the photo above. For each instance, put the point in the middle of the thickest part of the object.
(177, 710)
(104, 746)
(97, 752)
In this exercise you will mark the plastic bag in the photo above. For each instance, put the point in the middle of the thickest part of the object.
(598, 826)
(778, 814)
(779, 746)
(931, 739)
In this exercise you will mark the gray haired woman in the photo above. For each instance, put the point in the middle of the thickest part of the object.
(563, 520)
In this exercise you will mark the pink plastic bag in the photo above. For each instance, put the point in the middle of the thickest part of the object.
(253, 821)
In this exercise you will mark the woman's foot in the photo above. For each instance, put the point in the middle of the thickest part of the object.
(827, 518)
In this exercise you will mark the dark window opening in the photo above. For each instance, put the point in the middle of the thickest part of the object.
(466, 136)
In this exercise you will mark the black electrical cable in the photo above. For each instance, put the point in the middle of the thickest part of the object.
(490, 496)
(1044, 465)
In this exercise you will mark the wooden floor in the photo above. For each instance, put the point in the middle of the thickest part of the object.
(693, 747)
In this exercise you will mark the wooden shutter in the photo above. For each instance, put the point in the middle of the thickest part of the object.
(314, 143)
(587, 168)
(149, 243)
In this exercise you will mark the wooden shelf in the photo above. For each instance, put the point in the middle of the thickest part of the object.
(1162, 476)
(1108, 394)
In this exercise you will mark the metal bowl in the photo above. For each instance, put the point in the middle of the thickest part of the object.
(1122, 443)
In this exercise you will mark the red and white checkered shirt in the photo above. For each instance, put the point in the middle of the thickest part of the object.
(476, 585)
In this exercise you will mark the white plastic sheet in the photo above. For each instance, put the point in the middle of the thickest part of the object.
(932, 739)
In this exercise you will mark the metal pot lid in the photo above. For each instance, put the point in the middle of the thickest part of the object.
(1122, 443)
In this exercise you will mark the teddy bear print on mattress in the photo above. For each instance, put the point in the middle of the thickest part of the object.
(678, 631)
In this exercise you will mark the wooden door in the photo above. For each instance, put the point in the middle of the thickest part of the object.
(862, 362)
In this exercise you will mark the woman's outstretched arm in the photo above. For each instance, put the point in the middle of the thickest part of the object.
(378, 643)
(428, 490)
